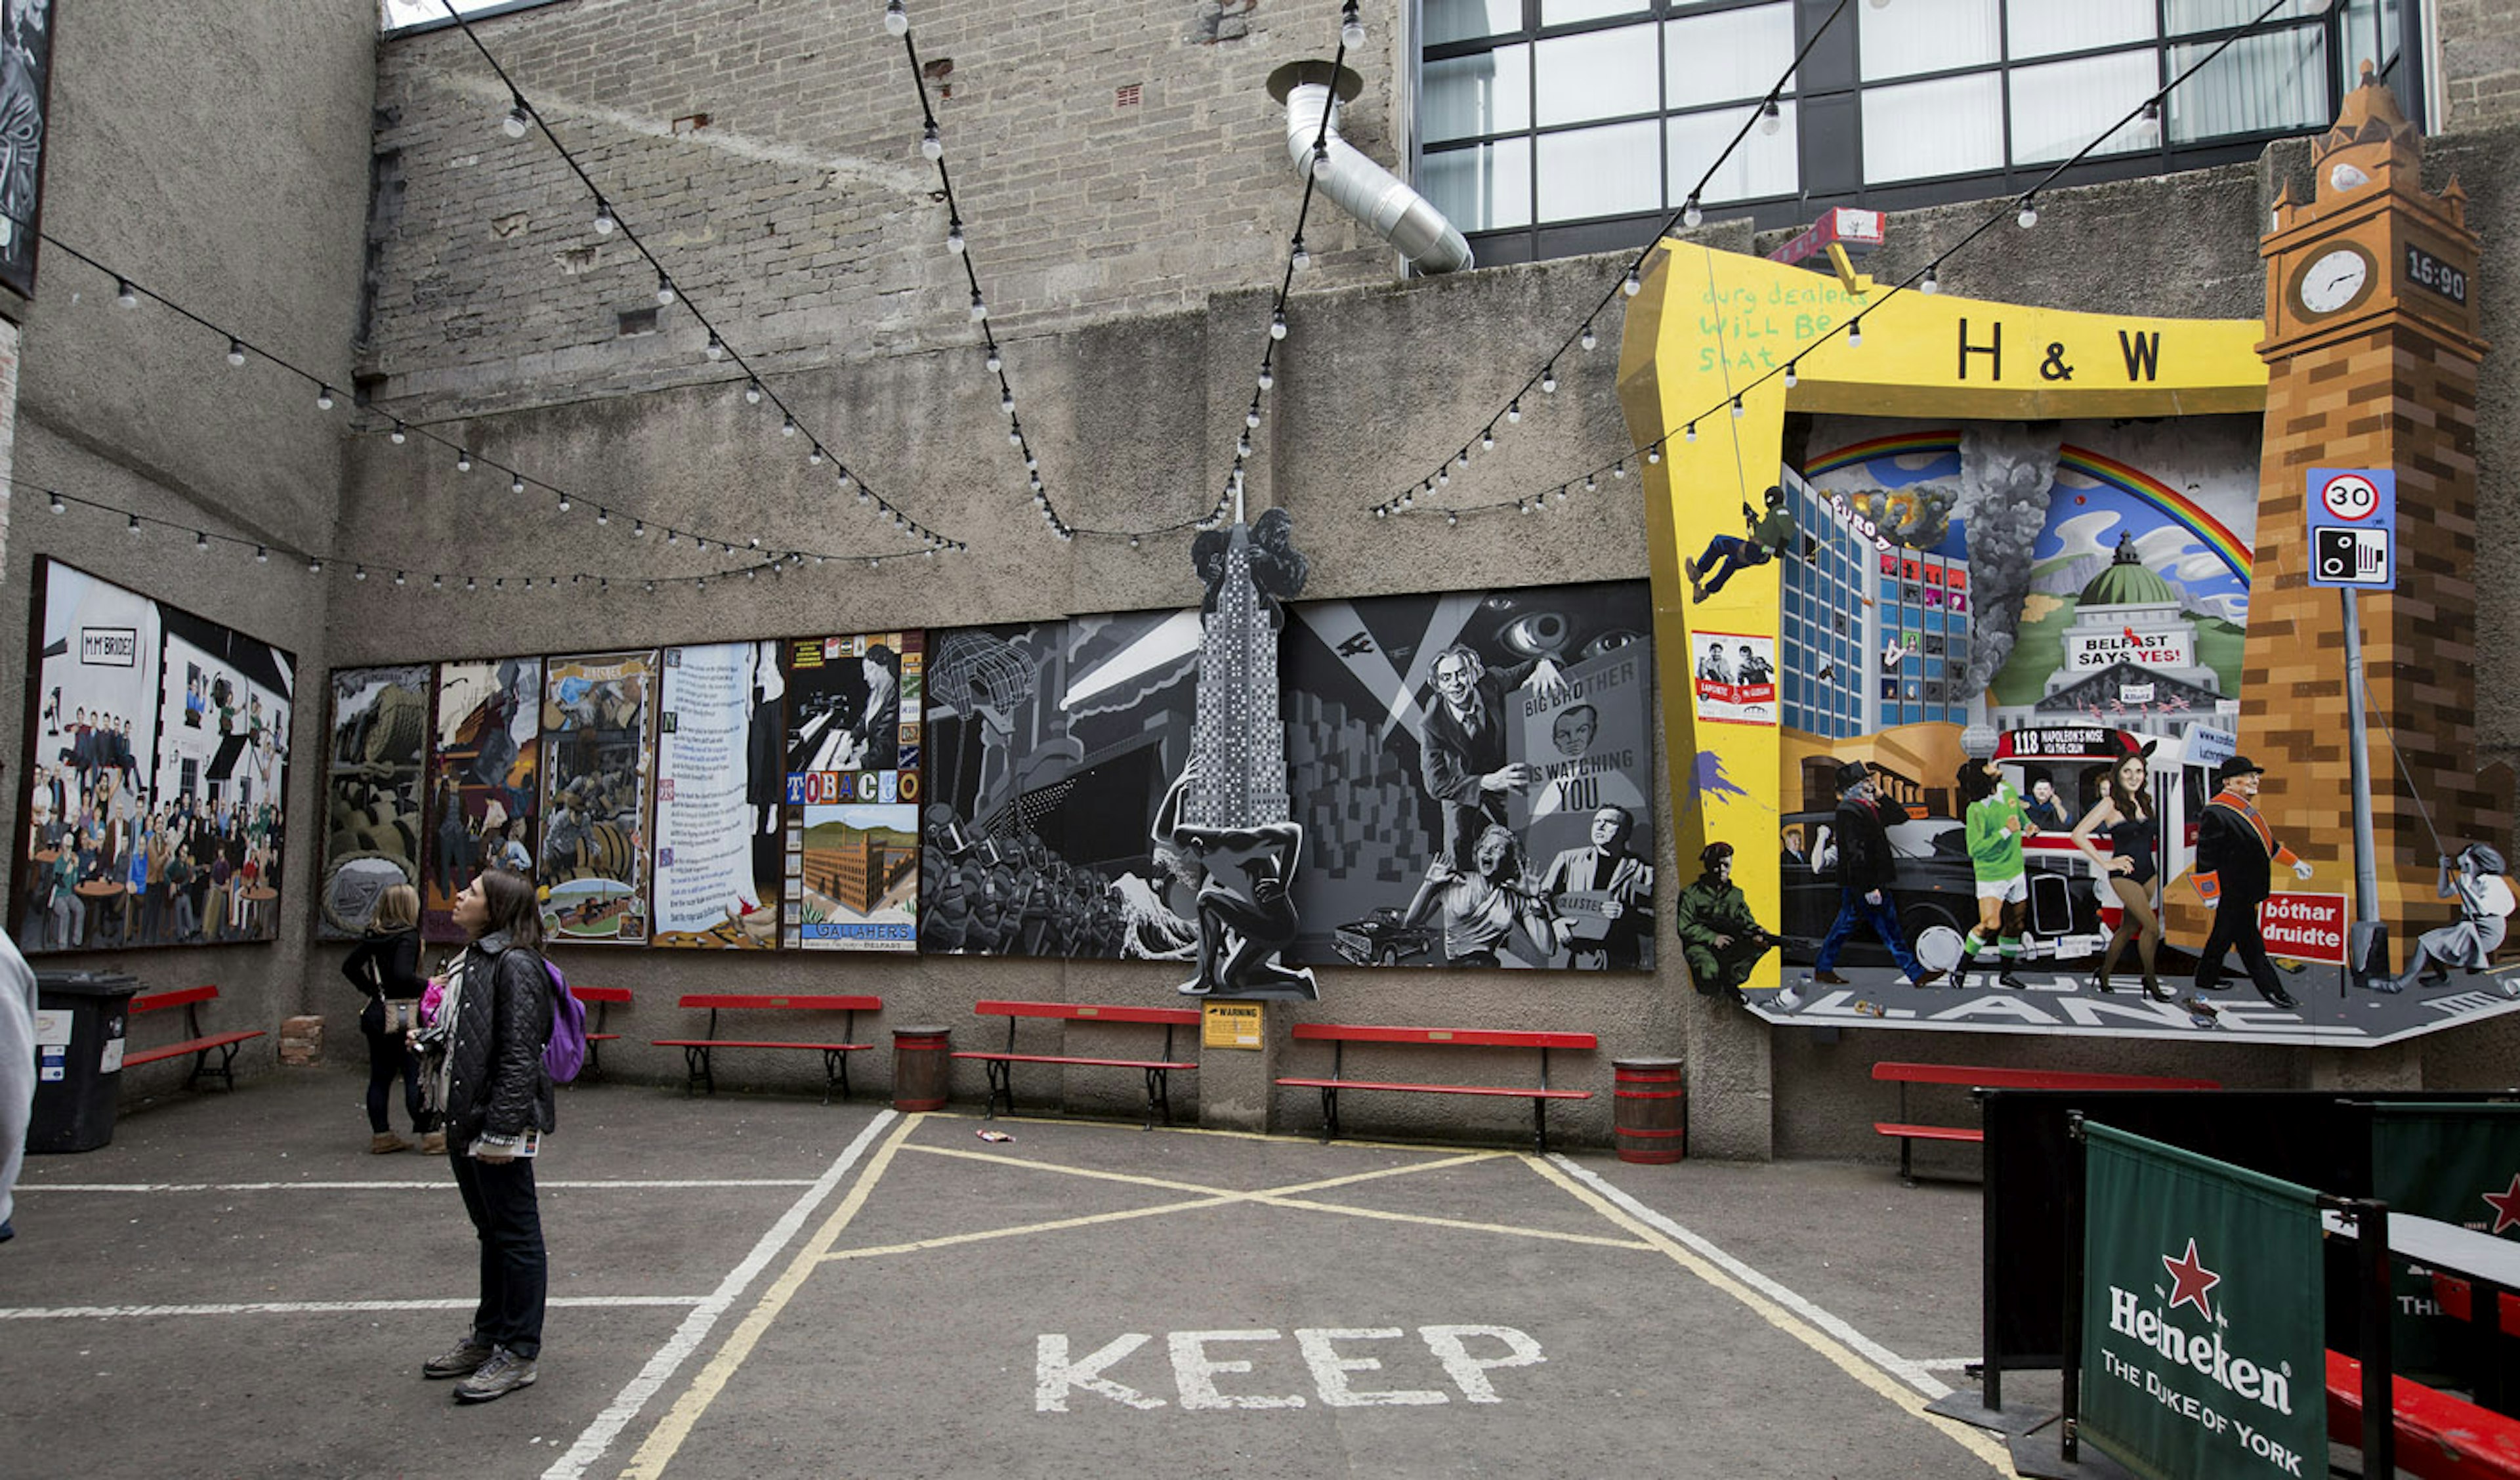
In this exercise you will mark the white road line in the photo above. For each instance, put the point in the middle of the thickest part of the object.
(1947, 1364)
(687, 1338)
(309, 1306)
(1912, 1373)
(394, 1187)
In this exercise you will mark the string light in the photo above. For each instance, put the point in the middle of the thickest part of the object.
(664, 289)
(1589, 338)
(236, 353)
(518, 121)
(1929, 286)
(125, 295)
(716, 350)
(463, 460)
(1690, 214)
(954, 236)
(605, 225)
(897, 18)
(1351, 26)
(1631, 285)
(932, 144)
(399, 435)
(2029, 216)
(323, 399)
(752, 392)
(1276, 323)
(1549, 381)
(517, 483)
(1300, 257)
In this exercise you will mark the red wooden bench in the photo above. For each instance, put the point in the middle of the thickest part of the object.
(1341, 1035)
(2439, 1437)
(198, 1044)
(835, 1064)
(1001, 1064)
(596, 1038)
(1981, 1077)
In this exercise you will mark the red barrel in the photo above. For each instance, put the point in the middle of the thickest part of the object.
(920, 1058)
(1651, 1111)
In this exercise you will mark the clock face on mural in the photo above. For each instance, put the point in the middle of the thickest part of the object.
(2335, 279)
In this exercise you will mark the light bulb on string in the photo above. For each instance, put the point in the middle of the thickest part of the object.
(1014, 434)
(1930, 284)
(2029, 216)
(1691, 434)
(716, 350)
(314, 566)
(236, 353)
(1267, 379)
(604, 221)
(664, 289)
(1006, 401)
(1351, 26)
(124, 293)
(323, 399)
(399, 436)
(399, 578)
(1653, 455)
(1548, 379)
(1619, 469)
(517, 483)
(603, 516)
(1321, 159)
(565, 505)
(1591, 484)
(1790, 378)
(1690, 213)
(359, 574)
(1487, 439)
(1770, 118)
(1462, 459)
(54, 500)
(787, 426)
(1588, 340)
(1737, 411)
(1513, 411)
(637, 530)
(1300, 257)
(840, 475)
(931, 143)
(1452, 520)
(261, 554)
(996, 361)
(201, 544)
(980, 306)
(1251, 417)
(1276, 323)
(897, 18)
(752, 392)
(1631, 285)
(518, 121)
(1444, 477)
(1855, 333)
(954, 236)
(463, 460)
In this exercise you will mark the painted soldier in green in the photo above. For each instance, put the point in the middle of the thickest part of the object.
(1717, 934)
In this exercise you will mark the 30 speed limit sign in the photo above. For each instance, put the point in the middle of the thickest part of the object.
(2354, 527)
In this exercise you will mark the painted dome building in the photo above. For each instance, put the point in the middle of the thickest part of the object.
(2131, 656)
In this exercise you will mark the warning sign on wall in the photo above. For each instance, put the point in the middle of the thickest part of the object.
(1230, 1025)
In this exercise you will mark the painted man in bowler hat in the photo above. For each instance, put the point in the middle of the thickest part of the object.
(2235, 855)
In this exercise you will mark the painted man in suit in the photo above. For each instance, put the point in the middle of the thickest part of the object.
(1624, 884)
(2235, 855)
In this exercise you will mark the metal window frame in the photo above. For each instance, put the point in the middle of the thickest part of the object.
(2404, 64)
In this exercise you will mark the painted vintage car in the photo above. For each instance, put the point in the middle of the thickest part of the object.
(1382, 939)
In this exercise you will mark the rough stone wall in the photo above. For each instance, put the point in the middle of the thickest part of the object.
(800, 213)
(2477, 50)
(218, 155)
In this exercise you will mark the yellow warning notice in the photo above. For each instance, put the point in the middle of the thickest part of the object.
(1230, 1025)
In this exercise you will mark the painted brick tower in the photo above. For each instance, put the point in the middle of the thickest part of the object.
(2372, 352)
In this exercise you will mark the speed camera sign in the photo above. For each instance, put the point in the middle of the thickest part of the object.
(2354, 527)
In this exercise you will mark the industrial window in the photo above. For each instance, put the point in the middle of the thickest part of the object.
(1549, 127)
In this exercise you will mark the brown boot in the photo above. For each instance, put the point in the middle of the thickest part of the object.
(433, 1143)
(386, 1143)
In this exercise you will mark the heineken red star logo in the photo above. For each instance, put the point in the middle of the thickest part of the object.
(2190, 1281)
(2506, 1206)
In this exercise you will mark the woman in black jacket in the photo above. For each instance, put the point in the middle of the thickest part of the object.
(496, 1016)
(386, 966)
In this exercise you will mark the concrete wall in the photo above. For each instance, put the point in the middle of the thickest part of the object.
(1125, 253)
(217, 154)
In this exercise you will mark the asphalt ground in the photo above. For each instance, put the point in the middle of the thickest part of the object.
(749, 1287)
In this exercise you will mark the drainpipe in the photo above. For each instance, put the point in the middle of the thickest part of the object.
(1362, 188)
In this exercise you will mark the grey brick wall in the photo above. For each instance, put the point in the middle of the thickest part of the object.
(802, 216)
(2479, 53)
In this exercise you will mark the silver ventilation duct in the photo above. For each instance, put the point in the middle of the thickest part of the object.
(1362, 188)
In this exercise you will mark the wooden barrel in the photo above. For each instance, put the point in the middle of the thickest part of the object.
(1651, 1119)
(920, 1061)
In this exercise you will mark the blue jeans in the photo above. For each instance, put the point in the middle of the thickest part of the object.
(1727, 555)
(1853, 910)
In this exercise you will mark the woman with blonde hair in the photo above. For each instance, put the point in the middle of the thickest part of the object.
(2125, 812)
(386, 966)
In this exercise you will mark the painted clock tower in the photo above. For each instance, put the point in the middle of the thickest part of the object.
(2372, 352)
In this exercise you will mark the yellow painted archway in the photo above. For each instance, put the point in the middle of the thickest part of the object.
(1707, 325)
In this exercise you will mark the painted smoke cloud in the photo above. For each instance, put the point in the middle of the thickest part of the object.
(2005, 472)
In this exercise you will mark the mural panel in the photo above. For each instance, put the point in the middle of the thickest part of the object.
(483, 800)
(855, 741)
(157, 767)
(718, 784)
(595, 766)
(1473, 773)
(372, 792)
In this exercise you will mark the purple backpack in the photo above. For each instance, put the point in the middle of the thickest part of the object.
(566, 1052)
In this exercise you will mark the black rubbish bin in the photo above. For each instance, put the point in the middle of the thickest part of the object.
(79, 1058)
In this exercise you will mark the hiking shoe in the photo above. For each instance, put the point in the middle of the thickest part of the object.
(385, 1144)
(467, 1356)
(432, 1144)
(502, 1375)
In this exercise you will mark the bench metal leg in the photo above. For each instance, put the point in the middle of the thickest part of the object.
(1158, 1098)
(695, 1070)
(1002, 1081)
(1329, 1115)
(1540, 1125)
(836, 1073)
(1907, 1146)
(226, 1071)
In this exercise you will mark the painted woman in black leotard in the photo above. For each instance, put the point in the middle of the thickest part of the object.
(2125, 810)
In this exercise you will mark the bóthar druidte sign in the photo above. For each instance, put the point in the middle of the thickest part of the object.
(2304, 926)
(2203, 1344)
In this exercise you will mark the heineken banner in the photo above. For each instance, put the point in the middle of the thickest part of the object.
(2459, 1163)
(2203, 1329)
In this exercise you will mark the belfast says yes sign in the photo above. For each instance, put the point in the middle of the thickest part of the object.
(2203, 1331)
